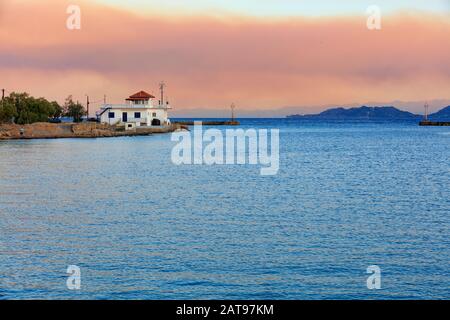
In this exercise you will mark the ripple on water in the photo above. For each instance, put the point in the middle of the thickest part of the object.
(347, 196)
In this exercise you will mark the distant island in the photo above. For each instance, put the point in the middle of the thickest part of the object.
(442, 115)
(372, 113)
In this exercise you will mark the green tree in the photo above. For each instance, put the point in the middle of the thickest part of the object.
(7, 112)
(74, 110)
(19, 100)
(27, 109)
(22, 108)
(57, 110)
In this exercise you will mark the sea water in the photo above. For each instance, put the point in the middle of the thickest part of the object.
(348, 195)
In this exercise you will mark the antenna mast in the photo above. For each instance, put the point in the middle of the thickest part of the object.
(233, 106)
(426, 111)
(161, 87)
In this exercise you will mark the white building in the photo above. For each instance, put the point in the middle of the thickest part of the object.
(139, 110)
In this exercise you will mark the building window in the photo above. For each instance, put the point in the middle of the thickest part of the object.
(137, 115)
(154, 114)
(111, 115)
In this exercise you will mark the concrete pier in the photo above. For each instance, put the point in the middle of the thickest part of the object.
(435, 123)
(210, 123)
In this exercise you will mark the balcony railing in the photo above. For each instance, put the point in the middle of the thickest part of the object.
(136, 106)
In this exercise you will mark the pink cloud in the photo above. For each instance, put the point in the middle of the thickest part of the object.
(209, 63)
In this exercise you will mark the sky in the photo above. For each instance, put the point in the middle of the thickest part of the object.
(269, 57)
(272, 8)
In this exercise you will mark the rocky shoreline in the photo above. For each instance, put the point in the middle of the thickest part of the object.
(45, 130)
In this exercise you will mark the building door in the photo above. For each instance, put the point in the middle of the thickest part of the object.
(156, 122)
(124, 117)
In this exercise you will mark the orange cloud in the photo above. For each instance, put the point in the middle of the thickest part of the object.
(210, 63)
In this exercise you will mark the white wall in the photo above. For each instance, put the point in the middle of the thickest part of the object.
(147, 115)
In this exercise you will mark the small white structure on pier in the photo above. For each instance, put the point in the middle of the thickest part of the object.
(139, 110)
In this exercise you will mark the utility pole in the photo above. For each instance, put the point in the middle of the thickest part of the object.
(161, 87)
(104, 99)
(87, 107)
(233, 106)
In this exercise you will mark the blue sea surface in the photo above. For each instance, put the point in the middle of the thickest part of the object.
(348, 195)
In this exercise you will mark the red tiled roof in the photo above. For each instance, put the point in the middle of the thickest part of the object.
(141, 95)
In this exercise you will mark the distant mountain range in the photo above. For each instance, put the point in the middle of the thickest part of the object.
(442, 115)
(373, 113)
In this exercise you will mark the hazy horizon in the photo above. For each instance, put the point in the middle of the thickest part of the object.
(416, 107)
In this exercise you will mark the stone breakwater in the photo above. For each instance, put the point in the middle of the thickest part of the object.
(44, 130)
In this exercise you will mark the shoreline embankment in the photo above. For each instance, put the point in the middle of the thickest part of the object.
(45, 130)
